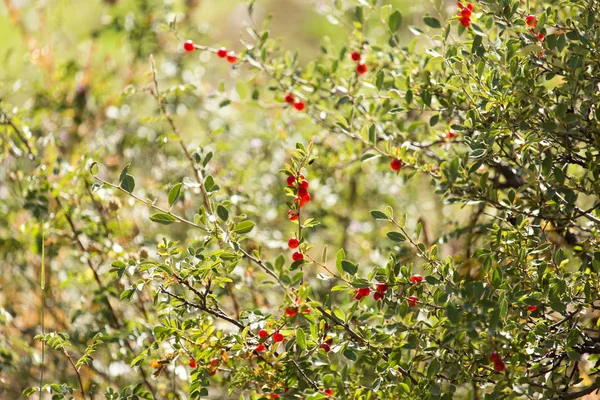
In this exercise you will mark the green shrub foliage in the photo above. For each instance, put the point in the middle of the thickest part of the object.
(439, 173)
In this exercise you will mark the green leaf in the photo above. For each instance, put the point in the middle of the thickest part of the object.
(432, 22)
(378, 215)
(244, 227)
(164, 219)
(300, 338)
(174, 193)
(350, 355)
(128, 183)
(396, 237)
(349, 268)
(395, 21)
(223, 213)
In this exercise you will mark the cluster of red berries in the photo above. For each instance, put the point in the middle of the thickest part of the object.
(326, 345)
(264, 335)
(497, 360)
(302, 195)
(531, 21)
(361, 67)
(298, 104)
(396, 164)
(292, 311)
(189, 46)
(465, 14)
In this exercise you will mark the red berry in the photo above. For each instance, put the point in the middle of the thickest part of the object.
(531, 308)
(466, 22)
(451, 134)
(260, 348)
(416, 278)
(412, 300)
(299, 105)
(466, 13)
(531, 21)
(290, 312)
(361, 68)
(214, 361)
(382, 287)
(274, 396)
(192, 363)
(293, 215)
(364, 292)
(326, 326)
(304, 199)
(355, 55)
(305, 310)
(325, 347)
(291, 180)
(278, 337)
(231, 57)
(328, 392)
(378, 296)
(499, 366)
(459, 5)
(289, 98)
(263, 334)
(329, 341)
(222, 52)
(304, 184)
(396, 164)
(357, 296)
(212, 373)
(495, 357)
(541, 36)
(302, 192)
(470, 6)
(297, 256)
(189, 46)
(293, 243)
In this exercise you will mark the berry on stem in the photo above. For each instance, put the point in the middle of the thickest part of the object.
(274, 396)
(214, 361)
(531, 308)
(325, 347)
(355, 56)
(531, 21)
(382, 287)
(189, 46)
(451, 134)
(222, 52)
(304, 184)
(231, 57)
(290, 312)
(289, 98)
(495, 357)
(499, 366)
(416, 278)
(328, 392)
(260, 348)
(293, 215)
(361, 69)
(263, 334)
(412, 300)
(396, 164)
(299, 105)
(277, 337)
(293, 243)
(192, 363)
(297, 256)
(378, 296)
(291, 180)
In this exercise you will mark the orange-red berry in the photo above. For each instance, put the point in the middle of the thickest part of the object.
(278, 337)
(192, 363)
(222, 52)
(412, 300)
(355, 56)
(189, 46)
(297, 256)
(361, 68)
(231, 57)
(396, 164)
(293, 243)
(416, 278)
(299, 105)
(260, 348)
(263, 334)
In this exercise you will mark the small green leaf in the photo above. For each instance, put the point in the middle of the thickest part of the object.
(378, 215)
(161, 218)
(128, 183)
(432, 22)
(396, 237)
(300, 338)
(174, 194)
(395, 21)
(244, 227)
(222, 212)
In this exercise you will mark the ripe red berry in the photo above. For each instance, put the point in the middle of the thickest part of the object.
(214, 361)
(293, 243)
(260, 348)
(304, 199)
(299, 105)
(189, 46)
(466, 13)
(291, 180)
(305, 310)
(325, 347)
(495, 357)
(416, 278)
(263, 334)
(531, 21)
(378, 296)
(302, 192)
(192, 363)
(396, 164)
(361, 69)
(297, 256)
(382, 287)
(412, 300)
(451, 134)
(293, 215)
(289, 98)
(357, 296)
(278, 337)
(326, 326)
(541, 36)
(329, 341)
(531, 308)
(231, 57)
(328, 392)
(465, 21)
(290, 312)
(470, 6)
(364, 292)
(222, 52)
(355, 56)
(499, 366)
(274, 396)
(304, 184)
